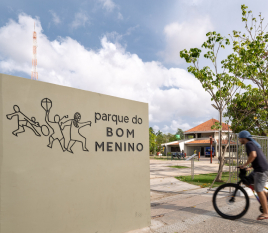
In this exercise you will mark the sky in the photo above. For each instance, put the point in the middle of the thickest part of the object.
(128, 49)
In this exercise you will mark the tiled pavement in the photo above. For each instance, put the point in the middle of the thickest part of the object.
(179, 207)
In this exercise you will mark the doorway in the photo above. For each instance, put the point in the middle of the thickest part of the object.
(202, 151)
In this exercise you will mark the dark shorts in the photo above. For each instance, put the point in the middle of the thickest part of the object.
(258, 179)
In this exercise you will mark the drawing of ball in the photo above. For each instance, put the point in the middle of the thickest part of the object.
(46, 104)
(44, 130)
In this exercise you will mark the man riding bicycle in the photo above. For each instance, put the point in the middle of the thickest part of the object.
(260, 165)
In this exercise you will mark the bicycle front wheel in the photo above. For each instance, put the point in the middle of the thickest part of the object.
(229, 206)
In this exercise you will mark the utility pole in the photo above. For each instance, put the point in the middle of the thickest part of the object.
(34, 75)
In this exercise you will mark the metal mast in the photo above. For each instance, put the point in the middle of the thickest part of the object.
(34, 75)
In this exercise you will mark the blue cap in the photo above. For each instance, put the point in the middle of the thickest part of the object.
(247, 135)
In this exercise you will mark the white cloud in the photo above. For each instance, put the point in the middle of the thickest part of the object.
(185, 35)
(109, 5)
(174, 125)
(193, 2)
(178, 124)
(80, 19)
(166, 129)
(171, 93)
(55, 17)
(155, 128)
(131, 29)
(120, 16)
(196, 123)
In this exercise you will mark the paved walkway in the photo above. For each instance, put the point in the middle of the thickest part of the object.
(177, 206)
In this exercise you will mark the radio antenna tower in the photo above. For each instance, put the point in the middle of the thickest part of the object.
(34, 75)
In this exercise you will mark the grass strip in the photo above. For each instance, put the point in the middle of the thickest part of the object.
(205, 180)
(230, 164)
(161, 158)
(178, 166)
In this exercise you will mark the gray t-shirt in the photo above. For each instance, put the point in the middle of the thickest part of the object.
(260, 163)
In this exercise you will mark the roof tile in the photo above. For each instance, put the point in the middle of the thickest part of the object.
(207, 141)
(206, 126)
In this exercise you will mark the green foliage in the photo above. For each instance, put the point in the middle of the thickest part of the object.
(205, 180)
(158, 138)
(152, 138)
(171, 137)
(216, 126)
(220, 86)
(248, 111)
(249, 62)
(178, 167)
(180, 132)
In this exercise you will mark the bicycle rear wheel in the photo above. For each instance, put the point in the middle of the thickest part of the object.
(229, 206)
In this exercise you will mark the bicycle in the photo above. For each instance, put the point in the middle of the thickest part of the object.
(237, 202)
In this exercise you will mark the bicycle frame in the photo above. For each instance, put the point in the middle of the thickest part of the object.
(231, 197)
(254, 192)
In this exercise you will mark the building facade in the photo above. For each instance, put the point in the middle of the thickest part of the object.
(198, 138)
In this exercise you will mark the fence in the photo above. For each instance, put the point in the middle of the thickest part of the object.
(237, 155)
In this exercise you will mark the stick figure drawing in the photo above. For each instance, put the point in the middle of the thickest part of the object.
(24, 121)
(53, 128)
(75, 135)
(55, 125)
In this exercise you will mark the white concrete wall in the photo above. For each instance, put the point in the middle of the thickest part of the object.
(224, 135)
(49, 190)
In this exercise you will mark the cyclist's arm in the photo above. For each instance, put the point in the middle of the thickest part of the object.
(251, 158)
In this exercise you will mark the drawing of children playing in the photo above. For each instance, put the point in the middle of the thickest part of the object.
(23, 121)
(75, 135)
(56, 130)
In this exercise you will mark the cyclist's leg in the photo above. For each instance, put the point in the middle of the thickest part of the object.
(259, 183)
(250, 179)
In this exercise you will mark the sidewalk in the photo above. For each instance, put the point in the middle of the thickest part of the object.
(177, 206)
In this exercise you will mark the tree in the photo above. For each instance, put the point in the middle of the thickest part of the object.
(250, 62)
(160, 139)
(152, 139)
(171, 137)
(220, 85)
(180, 132)
(248, 111)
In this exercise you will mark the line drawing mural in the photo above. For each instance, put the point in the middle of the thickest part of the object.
(24, 121)
(55, 125)
(75, 135)
(54, 128)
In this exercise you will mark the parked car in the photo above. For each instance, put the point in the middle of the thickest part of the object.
(207, 151)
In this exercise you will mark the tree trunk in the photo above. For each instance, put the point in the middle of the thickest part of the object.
(221, 155)
(221, 159)
(218, 178)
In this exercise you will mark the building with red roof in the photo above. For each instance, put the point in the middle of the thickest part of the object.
(198, 139)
